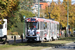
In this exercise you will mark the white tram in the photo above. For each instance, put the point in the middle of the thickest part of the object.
(41, 29)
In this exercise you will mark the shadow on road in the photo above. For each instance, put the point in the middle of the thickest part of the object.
(36, 44)
(68, 39)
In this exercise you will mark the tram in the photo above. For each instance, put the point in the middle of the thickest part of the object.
(41, 29)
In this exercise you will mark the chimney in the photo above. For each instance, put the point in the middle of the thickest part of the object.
(52, 0)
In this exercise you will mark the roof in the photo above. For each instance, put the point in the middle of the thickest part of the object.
(35, 19)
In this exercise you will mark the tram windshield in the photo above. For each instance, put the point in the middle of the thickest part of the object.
(32, 25)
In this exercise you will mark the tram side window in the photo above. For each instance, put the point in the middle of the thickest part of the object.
(38, 26)
(1, 26)
(50, 25)
(41, 25)
(54, 26)
(45, 25)
(57, 26)
(5, 25)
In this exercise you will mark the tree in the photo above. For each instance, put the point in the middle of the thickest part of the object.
(16, 23)
(7, 7)
(71, 15)
(59, 12)
(54, 10)
(26, 4)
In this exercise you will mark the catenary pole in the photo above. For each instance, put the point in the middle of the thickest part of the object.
(38, 8)
(67, 16)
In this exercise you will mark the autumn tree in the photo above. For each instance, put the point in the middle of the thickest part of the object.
(7, 7)
(71, 11)
(71, 15)
(16, 22)
(26, 4)
(59, 12)
(54, 11)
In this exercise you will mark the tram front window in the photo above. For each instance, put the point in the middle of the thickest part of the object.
(32, 25)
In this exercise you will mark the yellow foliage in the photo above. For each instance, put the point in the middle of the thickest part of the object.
(9, 32)
(15, 33)
(7, 6)
(59, 13)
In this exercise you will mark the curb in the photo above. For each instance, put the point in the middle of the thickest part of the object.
(47, 48)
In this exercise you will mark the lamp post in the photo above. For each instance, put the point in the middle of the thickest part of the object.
(49, 10)
(67, 16)
(38, 8)
(49, 15)
(74, 23)
(24, 26)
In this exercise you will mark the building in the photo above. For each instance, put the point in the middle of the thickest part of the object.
(43, 6)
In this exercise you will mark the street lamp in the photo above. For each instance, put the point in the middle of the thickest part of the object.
(38, 8)
(49, 15)
(67, 17)
(74, 23)
(49, 10)
(24, 25)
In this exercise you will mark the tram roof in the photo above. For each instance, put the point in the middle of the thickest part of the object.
(41, 19)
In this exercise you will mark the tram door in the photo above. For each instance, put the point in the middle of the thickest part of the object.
(55, 31)
(48, 26)
(41, 28)
(50, 30)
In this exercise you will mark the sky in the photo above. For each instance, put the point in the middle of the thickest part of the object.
(57, 0)
(73, 1)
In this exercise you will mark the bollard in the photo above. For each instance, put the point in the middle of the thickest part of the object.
(14, 39)
(22, 38)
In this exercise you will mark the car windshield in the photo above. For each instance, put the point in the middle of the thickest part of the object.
(1, 26)
(32, 25)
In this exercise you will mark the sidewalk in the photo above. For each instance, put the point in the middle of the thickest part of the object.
(57, 46)
(10, 39)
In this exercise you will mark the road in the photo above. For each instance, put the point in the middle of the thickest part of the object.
(11, 41)
(17, 41)
(70, 46)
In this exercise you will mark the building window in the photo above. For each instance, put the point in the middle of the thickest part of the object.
(1, 26)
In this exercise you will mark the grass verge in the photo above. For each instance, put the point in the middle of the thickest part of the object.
(36, 46)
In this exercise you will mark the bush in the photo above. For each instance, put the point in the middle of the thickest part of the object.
(15, 33)
(19, 28)
(9, 32)
(72, 35)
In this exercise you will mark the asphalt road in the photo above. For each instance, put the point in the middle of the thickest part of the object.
(11, 41)
(70, 46)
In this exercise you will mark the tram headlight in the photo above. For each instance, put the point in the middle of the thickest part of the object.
(37, 33)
